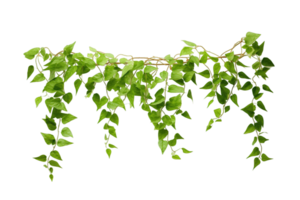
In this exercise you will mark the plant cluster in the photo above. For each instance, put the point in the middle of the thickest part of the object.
(133, 77)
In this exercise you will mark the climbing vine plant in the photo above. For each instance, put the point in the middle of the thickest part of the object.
(129, 77)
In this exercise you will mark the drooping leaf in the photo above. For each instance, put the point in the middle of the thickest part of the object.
(68, 97)
(189, 94)
(249, 109)
(267, 62)
(114, 118)
(38, 100)
(163, 144)
(234, 99)
(30, 71)
(112, 146)
(216, 68)
(208, 85)
(262, 139)
(49, 138)
(54, 163)
(256, 162)
(243, 75)
(254, 140)
(266, 88)
(174, 103)
(247, 86)
(186, 115)
(31, 53)
(250, 129)
(218, 112)
(255, 152)
(77, 84)
(186, 151)
(176, 157)
(108, 152)
(264, 157)
(50, 123)
(261, 105)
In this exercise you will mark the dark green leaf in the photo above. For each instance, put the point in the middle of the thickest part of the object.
(260, 49)
(261, 105)
(249, 109)
(66, 132)
(50, 123)
(189, 95)
(227, 108)
(207, 86)
(221, 99)
(162, 134)
(63, 142)
(55, 154)
(96, 99)
(234, 99)
(68, 97)
(256, 162)
(267, 62)
(264, 157)
(266, 88)
(114, 118)
(259, 119)
(255, 152)
(262, 139)
(186, 115)
(247, 86)
(243, 75)
(255, 90)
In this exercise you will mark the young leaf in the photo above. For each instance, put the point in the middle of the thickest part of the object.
(38, 78)
(186, 151)
(189, 43)
(186, 51)
(51, 177)
(251, 37)
(217, 112)
(175, 89)
(30, 71)
(227, 108)
(250, 129)
(66, 132)
(38, 100)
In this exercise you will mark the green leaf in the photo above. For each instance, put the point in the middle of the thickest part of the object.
(115, 103)
(255, 152)
(123, 60)
(259, 119)
(38, 78)
(264, 157)
(149, 69)
(224, 75)
(41, 158)
(167, 120)
(208, 85)
(66, 132)
(234, 99)
(254, 140)
(30, 71)
(176, 75)
(176, 157)
(251, 37)
(260, 49)
(217, 112)
(267, 62)
(93, 49)
(102, 60)
(203, 58)
(175, 89)
(114, 118)
(174, 103)
(68, 97)
(50, 123)
(102, 115)
(215, 59)
(55, 103)
(205, 74)
(31, 53)
(247, 86)
(189, 43)
(255, 90)
(49, 138)
(243, 75)
(188, 76)
(70, 71)
(186, 51)
(108, 152)
(266, 88)
(55, 154)
(227, 108)
(69, 48)
(210, 102)
(112, 146)
(51, 177)
(123, 91)
(186, 151)
(96, 99)
(162, 145)
(77, 84)
(261, 105)
(67, 118)
(189, 94)
(256, 162)
(127, 68)
(230, 67)
(256, 65)
(194, 59)
(230, 55)
(241, 64)
(38, 100)
(221, 99)
(109, 55)
(177, 136)
(57, 64)
(162, 134)
(250, 129)
(54, 163)
(186, 115)
(211, 94)
(262, 139)
(216, 68)
(163, 75)
(249, 109)
(63, 142)
(210, 123)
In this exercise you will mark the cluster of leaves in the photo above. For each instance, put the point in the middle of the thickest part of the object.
(221, 79)
(138, 79)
